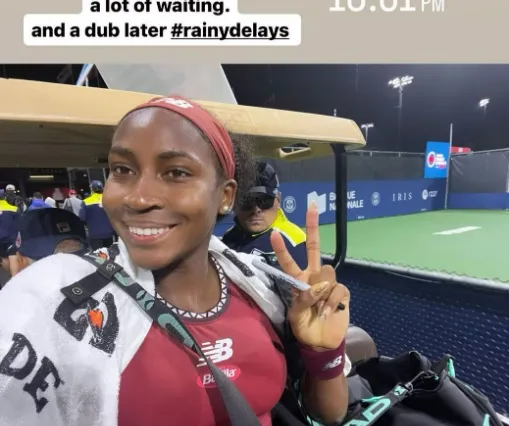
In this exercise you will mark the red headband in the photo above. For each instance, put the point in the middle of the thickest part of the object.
(213, 130)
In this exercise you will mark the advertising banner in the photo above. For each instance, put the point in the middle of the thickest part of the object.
(436, 160)
(479, 201)
(365, 199)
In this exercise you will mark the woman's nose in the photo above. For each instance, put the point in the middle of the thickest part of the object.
(144, 195)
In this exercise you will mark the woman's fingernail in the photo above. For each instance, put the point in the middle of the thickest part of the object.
(319, 289)
(325, 313)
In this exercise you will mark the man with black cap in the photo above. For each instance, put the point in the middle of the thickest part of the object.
(260, 214)
(43, 232)
(100, 232)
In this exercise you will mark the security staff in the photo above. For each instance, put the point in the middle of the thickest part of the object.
(13, 199)
(259, 215)
(100, 231)
(9, 215)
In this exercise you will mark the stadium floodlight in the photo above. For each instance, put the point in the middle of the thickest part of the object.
(366, 127)
(483, 103)
(399, 83)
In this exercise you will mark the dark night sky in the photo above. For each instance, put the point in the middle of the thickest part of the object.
(439, 95)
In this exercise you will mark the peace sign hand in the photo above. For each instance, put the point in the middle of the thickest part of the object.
(314, 315)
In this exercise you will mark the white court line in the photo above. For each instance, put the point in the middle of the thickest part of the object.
(457, 230)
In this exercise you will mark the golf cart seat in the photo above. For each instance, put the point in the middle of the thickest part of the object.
(359, 345)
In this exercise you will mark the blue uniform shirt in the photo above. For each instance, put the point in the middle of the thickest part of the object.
(8, 222)
(98, 223)
(295, 238)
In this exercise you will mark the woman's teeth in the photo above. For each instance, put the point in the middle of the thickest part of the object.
(148, 231)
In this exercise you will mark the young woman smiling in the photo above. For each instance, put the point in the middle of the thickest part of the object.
(174, 171)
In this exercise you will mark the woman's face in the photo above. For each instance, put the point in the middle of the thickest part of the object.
(163, 193)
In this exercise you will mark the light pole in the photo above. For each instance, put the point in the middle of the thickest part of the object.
(399, 83)
(483, 103)
(366, 127)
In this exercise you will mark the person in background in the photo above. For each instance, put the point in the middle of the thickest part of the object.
(50, 202)
(43, 232)
(38, 202)
(100, 231)
(14, 199)
(9, 215)
(73, 204)
(260, 214)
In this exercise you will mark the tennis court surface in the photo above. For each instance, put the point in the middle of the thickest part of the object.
(461, 242)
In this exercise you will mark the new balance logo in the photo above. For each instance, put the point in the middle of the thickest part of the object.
(172, 101)
(333, 364)
(220, 351)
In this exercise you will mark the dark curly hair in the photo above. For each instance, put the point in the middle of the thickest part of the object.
(245, 168)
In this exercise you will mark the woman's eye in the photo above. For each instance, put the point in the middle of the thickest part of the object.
(177, 173)
(121, 170)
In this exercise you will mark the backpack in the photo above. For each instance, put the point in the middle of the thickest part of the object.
(435, 396)
(411, 390)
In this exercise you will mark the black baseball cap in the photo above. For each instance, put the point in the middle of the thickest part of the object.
(40, 231)
(97, 186)
(267, 181)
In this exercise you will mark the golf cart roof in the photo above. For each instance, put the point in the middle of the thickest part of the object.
(58, 125)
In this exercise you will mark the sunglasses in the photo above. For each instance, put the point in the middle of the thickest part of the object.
(263, 203)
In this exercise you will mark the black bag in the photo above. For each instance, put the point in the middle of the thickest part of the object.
(416, 392)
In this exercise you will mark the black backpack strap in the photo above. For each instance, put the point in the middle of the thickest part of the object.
(239, 411)
(378, 406)
(480, 401)
(85, 288)
(445, 364)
